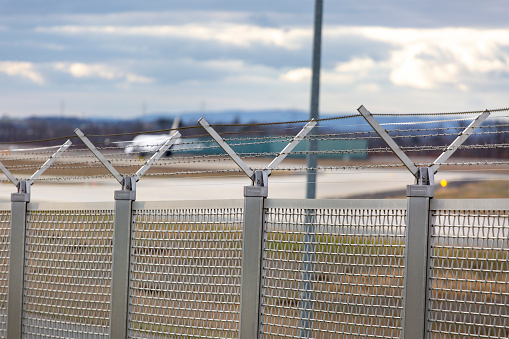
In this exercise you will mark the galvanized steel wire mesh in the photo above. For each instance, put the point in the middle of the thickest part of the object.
(68, 262)
(5, 218)
(185, 273)
(469, 283)
(328, 272)
(331, 273)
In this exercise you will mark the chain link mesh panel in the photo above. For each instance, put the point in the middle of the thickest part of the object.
(68, 273)
(5, 220)
(330, 273)
(185, 273)
(469, 279)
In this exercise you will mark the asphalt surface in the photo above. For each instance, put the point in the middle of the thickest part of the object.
(337, 184)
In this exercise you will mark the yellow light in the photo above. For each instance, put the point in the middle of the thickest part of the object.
(443, 182)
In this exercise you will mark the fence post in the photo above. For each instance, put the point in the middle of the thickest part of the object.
(122, 226)
(121, 259)
(252, 241)
(19, 202)
(252, 256)
(417, 246)
(417, 256)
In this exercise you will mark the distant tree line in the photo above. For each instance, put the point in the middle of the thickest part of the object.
(43, 130)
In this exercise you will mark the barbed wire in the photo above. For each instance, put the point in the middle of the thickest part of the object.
(38, 151)
(334, 118)
(79, 164)
(302, 169)
(130, 163)
(445, 113)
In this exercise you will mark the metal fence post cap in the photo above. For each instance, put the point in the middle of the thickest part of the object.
(20, 197)
(125, 195)
(420, 191)
(256, 191)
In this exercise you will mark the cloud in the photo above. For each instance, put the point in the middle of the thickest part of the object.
(21, 69)
(356, 65)
(427, 59)
(242, 35)
(81, 70)
(430, 58)
(423, 58)
(297, 75)
(232, 59)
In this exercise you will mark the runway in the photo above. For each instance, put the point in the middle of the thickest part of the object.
(337, 184)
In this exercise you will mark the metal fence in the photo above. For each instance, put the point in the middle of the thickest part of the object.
(185, 270)
(327, 269)
(257, 267)
(333, 269)
(4, 267)
(469, 281)
(67, 279)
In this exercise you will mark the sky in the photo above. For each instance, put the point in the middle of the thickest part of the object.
(122, 59)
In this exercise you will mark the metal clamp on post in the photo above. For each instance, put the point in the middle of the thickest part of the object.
(260, 185)
(23, 194)
(425, 186)
(128, 191)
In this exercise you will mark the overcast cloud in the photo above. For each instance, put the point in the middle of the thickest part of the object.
(112, 59)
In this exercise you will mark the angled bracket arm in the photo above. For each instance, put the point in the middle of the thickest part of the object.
(50, 161)
(389, 141)
(24, 185)
(99, 156)
(9, 175)
(258, 177)
(288, 149)
(220, 141)
(459, 140)
(157, 155)
(128, 182)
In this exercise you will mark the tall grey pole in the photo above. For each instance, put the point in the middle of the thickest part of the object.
(306, 323)
(315, 93)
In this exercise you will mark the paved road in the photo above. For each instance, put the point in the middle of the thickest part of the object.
(330, 185)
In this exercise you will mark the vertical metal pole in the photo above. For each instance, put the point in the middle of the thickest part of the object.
(312, 158)
(19, 203)
(308, 275)
(312, 164)
(252, 255)
(417, 254)
(121, 259)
